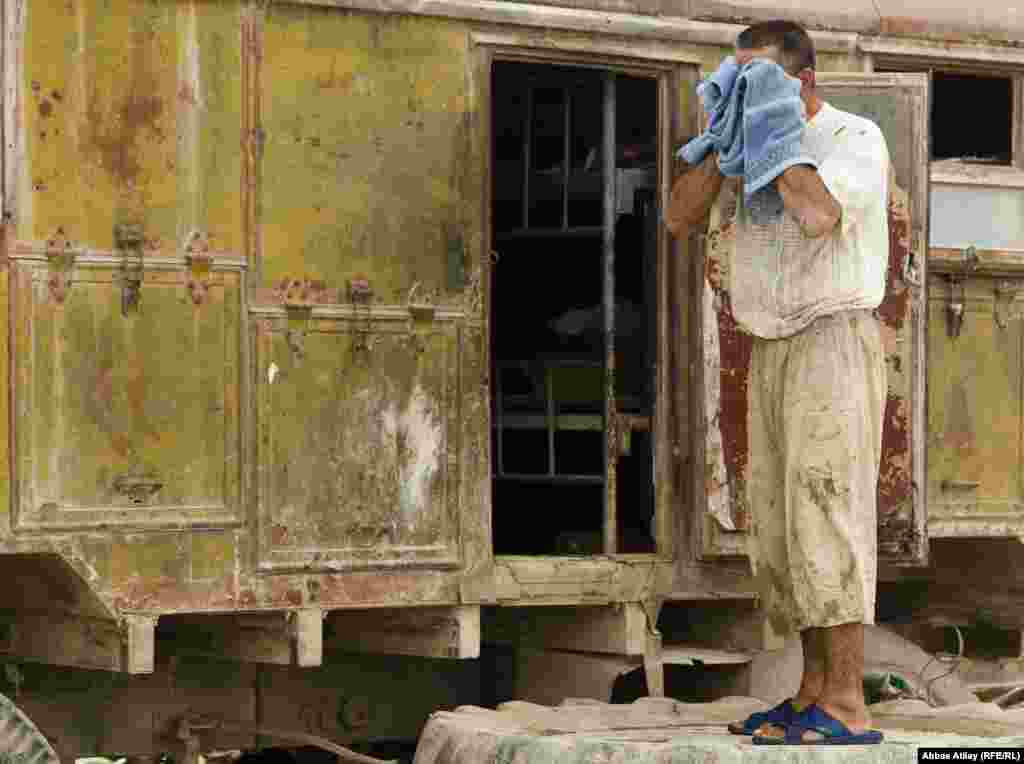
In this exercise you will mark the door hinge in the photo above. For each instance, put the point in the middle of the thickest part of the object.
(61, 257)
(200, 266)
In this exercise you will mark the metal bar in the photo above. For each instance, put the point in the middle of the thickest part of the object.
(608, 252)
(537, 233)
(555, 480)
(499, 422)
(527, 155)
(566, 158)
(549, 405)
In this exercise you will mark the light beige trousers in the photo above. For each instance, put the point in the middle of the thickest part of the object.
(815, 421)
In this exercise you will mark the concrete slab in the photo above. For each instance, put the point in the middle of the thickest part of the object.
(657, 731)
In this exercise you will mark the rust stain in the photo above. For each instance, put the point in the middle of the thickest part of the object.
(278, 535)
(116, 137)
(893, 310)
(895, 487)
(903, 26)
(304, 291)
(895, 476)
(187, 94)
(735, 348)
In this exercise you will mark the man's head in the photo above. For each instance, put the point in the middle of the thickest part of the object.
(786, 43)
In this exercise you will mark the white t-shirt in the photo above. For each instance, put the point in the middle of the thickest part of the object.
(780, 281)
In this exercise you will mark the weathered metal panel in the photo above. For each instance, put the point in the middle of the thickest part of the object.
(974, 407)
(358, 443)
(5, 418)
(126, 419)
(899, 105)
(132, 110)
(369, 166)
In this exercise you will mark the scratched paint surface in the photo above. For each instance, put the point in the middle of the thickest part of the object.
(132, 109)
(356, 447)
(974, 405)
(368, 167)
(101, 406)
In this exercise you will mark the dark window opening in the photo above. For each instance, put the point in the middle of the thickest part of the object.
(972, 118)
(550, 445)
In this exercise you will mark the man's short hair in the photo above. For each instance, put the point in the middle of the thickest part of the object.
(795, 46)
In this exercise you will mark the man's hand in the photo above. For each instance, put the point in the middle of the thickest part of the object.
(693, 195)
(809, 201)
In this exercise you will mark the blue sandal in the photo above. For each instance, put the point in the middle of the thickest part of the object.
(830, 731)
(781, 715)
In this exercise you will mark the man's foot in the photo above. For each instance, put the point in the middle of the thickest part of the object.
(815, 725)
(781, 714)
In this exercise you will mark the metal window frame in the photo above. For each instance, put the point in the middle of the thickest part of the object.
(609, 56)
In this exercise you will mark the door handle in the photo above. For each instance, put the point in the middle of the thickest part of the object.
(960, 485)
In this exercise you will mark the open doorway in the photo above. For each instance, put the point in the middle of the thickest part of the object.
(573, 310)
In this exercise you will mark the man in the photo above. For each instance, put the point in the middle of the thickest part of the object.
(804, 284)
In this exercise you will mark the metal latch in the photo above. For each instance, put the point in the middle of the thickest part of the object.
(139, 489)
(129, 239)
(1006, 293)
(360, 294)
(421, 310)
(955, 307)
(298, 297)
(911, 273)
(61, 257)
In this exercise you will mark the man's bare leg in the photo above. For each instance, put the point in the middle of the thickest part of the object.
(812, 682)
(841, 692)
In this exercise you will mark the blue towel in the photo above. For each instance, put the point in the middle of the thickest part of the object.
(755, 123)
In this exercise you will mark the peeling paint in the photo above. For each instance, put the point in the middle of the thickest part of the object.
(895, 478)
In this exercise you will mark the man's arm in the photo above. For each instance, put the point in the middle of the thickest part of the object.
(846, 185)
(809, 201)
(693, 195)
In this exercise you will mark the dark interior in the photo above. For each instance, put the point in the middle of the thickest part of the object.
(972, 118)
(547, 315)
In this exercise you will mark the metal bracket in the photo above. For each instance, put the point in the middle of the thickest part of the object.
(1006, 293)
(959, 485)
(138, 489)
(129, 240)
(200, 265)
(61, 257)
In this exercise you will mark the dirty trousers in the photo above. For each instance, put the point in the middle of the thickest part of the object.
(815, 426)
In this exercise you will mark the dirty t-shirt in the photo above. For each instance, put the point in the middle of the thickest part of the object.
(780, 280)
